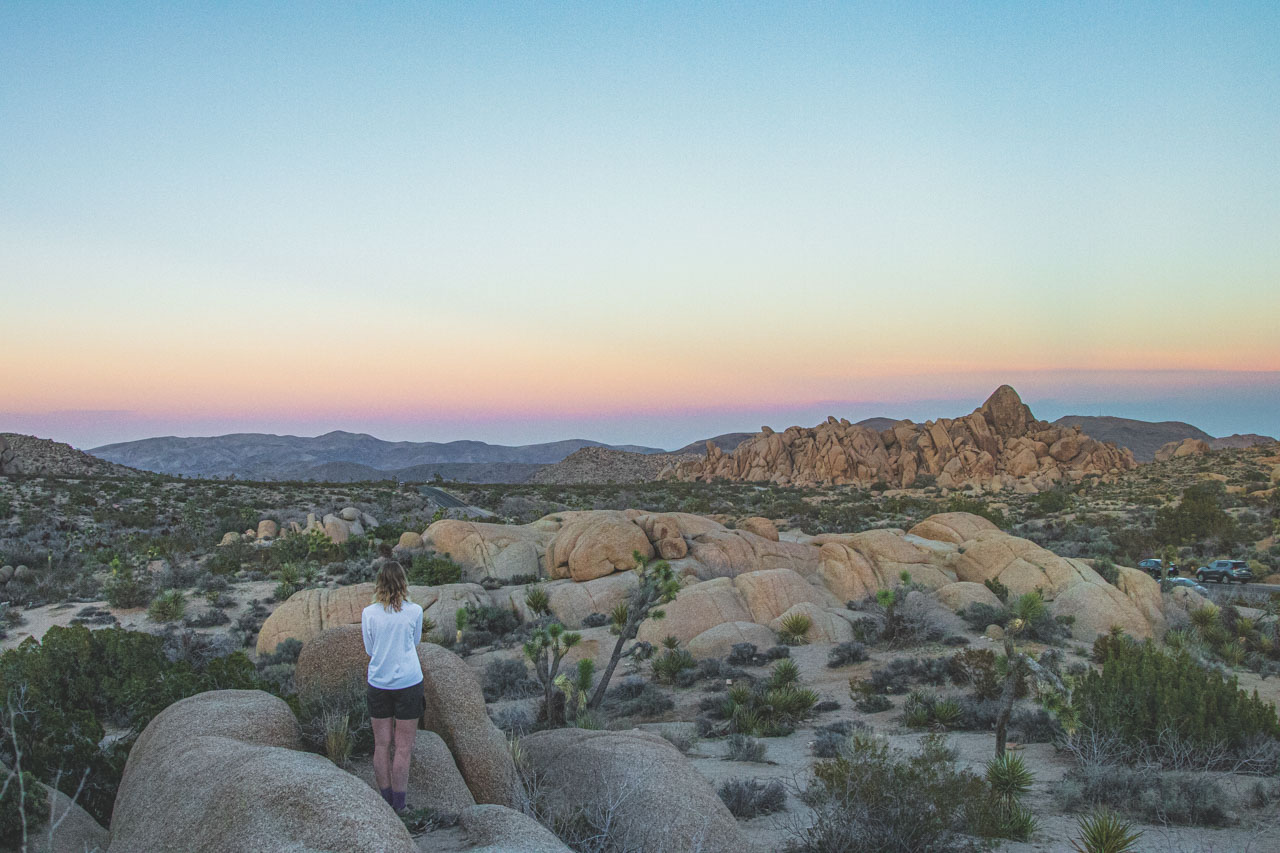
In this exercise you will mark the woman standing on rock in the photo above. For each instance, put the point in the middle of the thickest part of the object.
(392, 627)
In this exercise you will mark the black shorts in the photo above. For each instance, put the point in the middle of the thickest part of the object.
(407, 703)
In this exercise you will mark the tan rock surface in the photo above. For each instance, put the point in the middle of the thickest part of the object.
(825, 627)
(434, 780)
(771, 592)
(596, 545)
(762, 527)
(953, 527)
(959, 595)
(697, 608)
(456, 711)
(332, 663)
(480, 548)
(222, 772)
(718, 641)
(644, 776)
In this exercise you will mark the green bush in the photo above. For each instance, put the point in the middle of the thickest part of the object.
(74, 681)
(772, 707)
(126, 586)
(22, 806)
(871, 798)
(1144, 692)
(433, 570)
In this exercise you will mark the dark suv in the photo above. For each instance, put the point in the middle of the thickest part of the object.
(1152, 567)
(1225, 571)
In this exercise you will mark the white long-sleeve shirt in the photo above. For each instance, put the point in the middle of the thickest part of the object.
(391, 640)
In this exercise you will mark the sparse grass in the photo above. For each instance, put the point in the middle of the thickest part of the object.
(748, 798)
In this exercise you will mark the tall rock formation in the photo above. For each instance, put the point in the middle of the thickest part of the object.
(999, 445)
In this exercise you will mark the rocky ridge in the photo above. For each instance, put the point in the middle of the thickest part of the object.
(601, 465)
(26, 454)
(1000, 445)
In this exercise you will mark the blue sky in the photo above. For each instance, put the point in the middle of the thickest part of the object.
(528, 218)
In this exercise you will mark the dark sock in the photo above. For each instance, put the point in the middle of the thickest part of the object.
(397, 800)
(386, 794)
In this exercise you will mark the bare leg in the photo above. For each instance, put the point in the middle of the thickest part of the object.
(406, 731)
(382, 751)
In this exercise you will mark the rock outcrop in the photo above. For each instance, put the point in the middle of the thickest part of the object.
(502, 830)
(659, 802)
(222, 772)
(1178, 449)
(455, 710)
(999, 443)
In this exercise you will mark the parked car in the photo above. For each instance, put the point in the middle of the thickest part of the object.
(1225, 571)
(1152, 567)
(1188, 583)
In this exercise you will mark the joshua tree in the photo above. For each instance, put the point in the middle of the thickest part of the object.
(545, 650)
(1020, 666)
(658, 585)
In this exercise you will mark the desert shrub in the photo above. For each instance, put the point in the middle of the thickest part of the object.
(998, 589)
(743, 654)
(211, 617)
(1191, 799)
(975, 668)
(777, 653)
(742, 747)
(487, 619)
(505, 678)
(748, 798)
(168, 606)
(516, 720)
(795, 629)
(635, 697)
(1000, 814)
(126, 585)
(846, 653)
(595, 620)
(681, 739)
(433, 569)
(1048, 503)
(960, 503)
(1144, 693)
(1037, 623)
(871, 798)
(1107, 569)
(899, 674)
(23, 807)
(64, 690)
(1034, 725)
(872, 703)
(336, 722)
(287, 651)
(1198, 516)
(831, 738)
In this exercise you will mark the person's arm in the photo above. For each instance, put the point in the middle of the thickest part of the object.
(367, 632)
(418, 628)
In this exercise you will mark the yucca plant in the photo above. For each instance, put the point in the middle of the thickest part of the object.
(1009, 777)
(947, 713)
(784, 672)
(795, 629)
(1104, 831)
(1232, 653)
(537, 599)
(168, 606)
(1205, 617)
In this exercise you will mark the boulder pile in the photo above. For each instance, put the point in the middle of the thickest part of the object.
(1178, 449)
(738, 585)
(1000, 445)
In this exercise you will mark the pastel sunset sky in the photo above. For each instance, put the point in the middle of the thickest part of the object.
(642, 222)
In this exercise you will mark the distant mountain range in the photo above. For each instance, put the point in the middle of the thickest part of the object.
(352, 457)
(340, 456)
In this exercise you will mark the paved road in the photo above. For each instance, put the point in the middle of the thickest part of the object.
(445, 500)
(441, 497)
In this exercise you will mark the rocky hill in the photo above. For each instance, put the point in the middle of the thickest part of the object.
(999, 445)
(1144, 438)
(26, 454)
(726, 442)
(257, 456)
(600, 465)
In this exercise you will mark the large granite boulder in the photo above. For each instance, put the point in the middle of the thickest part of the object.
(656, 800)
(596, 544)
(455, 710)
(696, 608)
(333, 662)
(220, 772)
